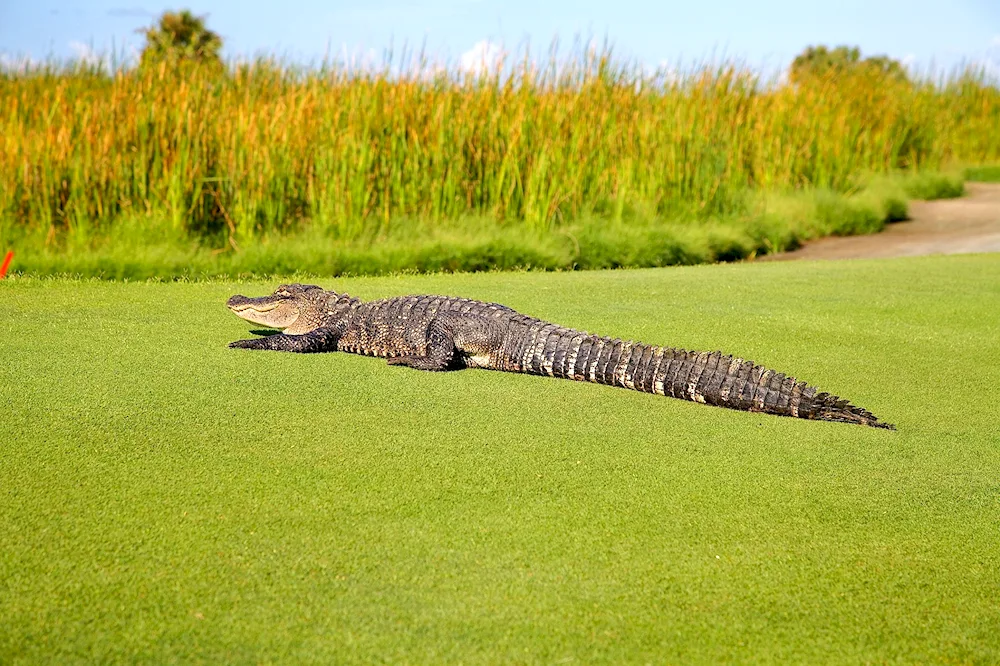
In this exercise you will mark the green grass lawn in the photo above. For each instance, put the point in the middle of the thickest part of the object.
(166, 499)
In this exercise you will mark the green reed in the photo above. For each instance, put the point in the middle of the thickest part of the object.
(267, 149)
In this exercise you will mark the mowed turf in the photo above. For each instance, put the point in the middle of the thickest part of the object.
(166, 499)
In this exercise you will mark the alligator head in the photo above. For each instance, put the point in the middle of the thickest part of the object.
(293, 308)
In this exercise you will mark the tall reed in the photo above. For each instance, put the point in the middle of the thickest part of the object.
(267, 147)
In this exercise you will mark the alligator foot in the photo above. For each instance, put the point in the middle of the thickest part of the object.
(318, 340)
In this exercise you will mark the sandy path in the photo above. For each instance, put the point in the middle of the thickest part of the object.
(949, 226)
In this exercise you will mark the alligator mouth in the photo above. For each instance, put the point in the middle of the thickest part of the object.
(243, 304)
(243, 307)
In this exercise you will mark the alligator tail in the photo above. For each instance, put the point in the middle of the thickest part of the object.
(708, 377)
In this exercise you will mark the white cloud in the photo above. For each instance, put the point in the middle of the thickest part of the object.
(17, 63)
(784, 77)
(84, 53)
(359, 59)
(658, 76)
(428, 72)
(991, 67)
(484, 57)
(990, 62)
(663, 74)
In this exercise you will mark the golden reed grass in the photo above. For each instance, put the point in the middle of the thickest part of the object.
(266, 147)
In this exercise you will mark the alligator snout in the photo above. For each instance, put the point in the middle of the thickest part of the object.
(238, 303)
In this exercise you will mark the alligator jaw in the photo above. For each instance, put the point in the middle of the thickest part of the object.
(271, 311)
(256, 307)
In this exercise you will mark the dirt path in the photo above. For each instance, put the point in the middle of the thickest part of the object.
(950, 226)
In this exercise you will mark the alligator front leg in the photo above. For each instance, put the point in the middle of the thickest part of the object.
(318, 340)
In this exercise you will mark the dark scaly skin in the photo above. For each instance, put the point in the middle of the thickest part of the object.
(441, 333)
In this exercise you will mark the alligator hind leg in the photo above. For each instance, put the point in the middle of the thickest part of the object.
(440, 351)
(455, 339)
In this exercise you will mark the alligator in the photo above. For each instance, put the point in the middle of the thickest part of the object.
(444, 333)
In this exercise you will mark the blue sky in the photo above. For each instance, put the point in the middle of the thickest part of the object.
(765, 34)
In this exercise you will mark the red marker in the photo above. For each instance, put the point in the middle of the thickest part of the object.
(6, 263)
